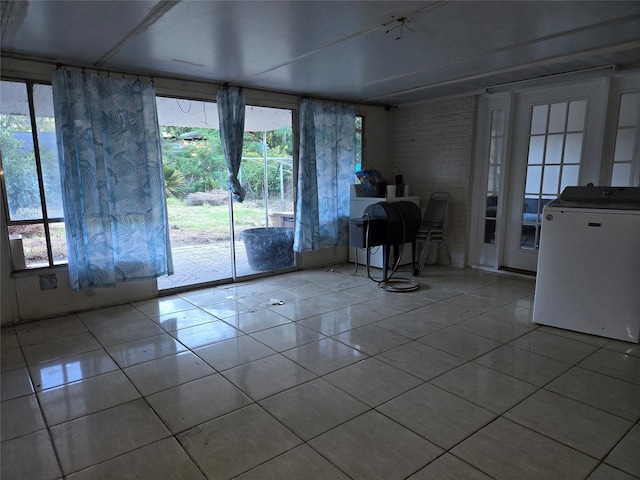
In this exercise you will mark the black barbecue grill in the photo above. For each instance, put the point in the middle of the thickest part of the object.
(387, 224)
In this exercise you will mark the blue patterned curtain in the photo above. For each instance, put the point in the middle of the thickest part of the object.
(327, 160)
(112, 180)
(231, 118)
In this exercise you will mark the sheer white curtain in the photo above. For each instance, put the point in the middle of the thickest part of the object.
(112, 180)
(231, 111)
(326, 171)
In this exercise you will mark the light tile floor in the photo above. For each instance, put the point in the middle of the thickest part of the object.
(341, 380)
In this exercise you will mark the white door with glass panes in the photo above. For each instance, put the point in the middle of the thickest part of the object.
(559, 132)
(625, 167)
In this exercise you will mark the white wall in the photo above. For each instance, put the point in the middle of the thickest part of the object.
(34, 301)
(375, 154)
(8, 298)
(432, 146)
(23, 298)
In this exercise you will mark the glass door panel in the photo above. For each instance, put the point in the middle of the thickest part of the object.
(496, 148)
(197, 198)
(553, 161)
(207, 227)
(626, 159)
(263, 222)
(551, 151)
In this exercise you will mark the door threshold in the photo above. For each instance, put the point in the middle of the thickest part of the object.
(519, 271)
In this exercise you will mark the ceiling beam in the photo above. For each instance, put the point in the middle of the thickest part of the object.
(154, 15)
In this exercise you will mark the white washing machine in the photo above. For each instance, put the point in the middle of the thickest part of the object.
(588, 277)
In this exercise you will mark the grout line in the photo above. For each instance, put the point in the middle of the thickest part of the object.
(322, 376)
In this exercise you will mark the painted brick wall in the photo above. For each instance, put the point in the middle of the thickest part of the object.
(432, 146)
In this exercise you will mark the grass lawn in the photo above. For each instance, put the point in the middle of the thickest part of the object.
(191, 225)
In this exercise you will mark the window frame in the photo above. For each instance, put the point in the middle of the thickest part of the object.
(359, 131)
(45, 220)
(634, 160)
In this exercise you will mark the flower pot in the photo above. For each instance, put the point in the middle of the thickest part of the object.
(269, 248)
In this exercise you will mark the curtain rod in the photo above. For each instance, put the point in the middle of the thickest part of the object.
(138, 75)
(98, 71)
(227, 86)
(166, 77)
(82, 68)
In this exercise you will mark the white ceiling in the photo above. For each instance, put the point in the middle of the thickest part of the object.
(351, 50)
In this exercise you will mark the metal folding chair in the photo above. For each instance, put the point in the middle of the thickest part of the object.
(432, 229)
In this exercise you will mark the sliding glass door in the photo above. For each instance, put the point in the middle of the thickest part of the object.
(206, 226)
(263, 222)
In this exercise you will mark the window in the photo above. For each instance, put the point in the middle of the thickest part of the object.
(31, 176)
(553, 163)
(625, 156)
(359, 137)
(493, 181)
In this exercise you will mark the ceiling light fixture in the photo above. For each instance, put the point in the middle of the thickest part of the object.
(399, 23)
